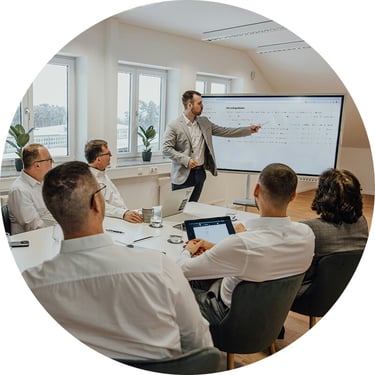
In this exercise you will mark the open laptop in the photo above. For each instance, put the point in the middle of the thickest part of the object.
(213, 229)
(176, 201)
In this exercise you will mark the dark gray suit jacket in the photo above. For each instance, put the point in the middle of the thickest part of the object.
(177, 145)
(331, 238)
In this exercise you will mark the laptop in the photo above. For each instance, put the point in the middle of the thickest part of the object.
(213, 229)
(176, 201)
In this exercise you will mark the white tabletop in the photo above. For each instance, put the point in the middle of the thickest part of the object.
(45, 243)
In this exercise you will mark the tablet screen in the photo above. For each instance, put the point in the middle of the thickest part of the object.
(210, 229)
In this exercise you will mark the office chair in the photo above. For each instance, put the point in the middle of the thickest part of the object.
(256, 316)
(332, 275)
(6, 220)
(198, 361)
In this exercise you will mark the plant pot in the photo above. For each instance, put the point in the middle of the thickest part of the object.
(146, 155)
(19, 164)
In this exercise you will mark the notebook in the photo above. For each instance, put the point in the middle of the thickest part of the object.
(212, 229)
(176, 201)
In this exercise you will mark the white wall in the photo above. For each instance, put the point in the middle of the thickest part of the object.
(101, 47)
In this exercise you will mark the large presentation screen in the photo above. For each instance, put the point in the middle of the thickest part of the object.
(301, 131)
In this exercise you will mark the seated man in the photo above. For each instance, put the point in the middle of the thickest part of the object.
(27, 210)
(125, 303)
(272, 247)
(99, 157)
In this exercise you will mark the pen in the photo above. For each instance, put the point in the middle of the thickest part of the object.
(143, 238)
(114, 231)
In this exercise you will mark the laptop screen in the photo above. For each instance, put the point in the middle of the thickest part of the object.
(212, 229)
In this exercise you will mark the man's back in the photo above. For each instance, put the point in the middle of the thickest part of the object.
(125, 303)
(271, 248)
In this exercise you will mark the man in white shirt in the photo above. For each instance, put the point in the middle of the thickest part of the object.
(124, 303)
(27, 210)
(272, 247)
(99, 156)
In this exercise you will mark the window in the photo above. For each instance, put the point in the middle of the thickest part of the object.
(207, 84)
(48, 108)
(141, 102)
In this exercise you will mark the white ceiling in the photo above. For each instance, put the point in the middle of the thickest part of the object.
(286, 71)
(193, 18)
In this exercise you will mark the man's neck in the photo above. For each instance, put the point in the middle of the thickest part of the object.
(95, 228)
(33, 175)
(190, 116)
(271, 212)
(96, 167)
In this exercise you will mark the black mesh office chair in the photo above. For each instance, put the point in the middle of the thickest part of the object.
(256, 317)
(332, 275)
(198, 361)
(6, 220)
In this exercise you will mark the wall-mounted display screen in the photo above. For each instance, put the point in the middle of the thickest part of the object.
(301, 131)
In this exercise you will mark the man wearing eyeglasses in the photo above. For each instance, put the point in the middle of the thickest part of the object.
(27, 210)
(123, 303)
(99, 156)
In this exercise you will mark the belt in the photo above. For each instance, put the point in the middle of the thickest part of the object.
(198, 168)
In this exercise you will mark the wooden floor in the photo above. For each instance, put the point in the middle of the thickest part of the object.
(296, 325)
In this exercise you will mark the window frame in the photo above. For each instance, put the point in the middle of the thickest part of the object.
(27, 111)
(135, 71)
(209, 79)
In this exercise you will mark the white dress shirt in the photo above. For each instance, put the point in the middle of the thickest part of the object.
(197, 140)
(271, 248)
(27, 210)
(114, 204)
(125, 303)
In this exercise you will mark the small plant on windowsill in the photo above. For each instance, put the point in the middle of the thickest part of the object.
(147, 135)
(21, 137)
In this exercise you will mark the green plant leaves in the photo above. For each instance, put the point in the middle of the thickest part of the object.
(147, 136)
(21, 137)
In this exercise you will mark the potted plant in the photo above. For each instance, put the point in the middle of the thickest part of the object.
(147, 136)
(21, 137)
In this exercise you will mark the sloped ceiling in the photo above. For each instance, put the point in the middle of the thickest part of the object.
(286, 71)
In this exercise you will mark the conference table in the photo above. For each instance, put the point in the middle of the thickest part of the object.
(44, 243)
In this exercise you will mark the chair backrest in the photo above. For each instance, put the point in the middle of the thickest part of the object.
(332, 275)
(198, 361)
(6, 220)
(257, 314)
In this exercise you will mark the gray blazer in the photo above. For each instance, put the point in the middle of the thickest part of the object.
(177, 145)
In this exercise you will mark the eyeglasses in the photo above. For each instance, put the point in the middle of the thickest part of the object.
(41, 161)
(107, 153)
(102, 187)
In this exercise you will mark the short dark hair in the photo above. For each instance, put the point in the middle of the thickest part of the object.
(67, 191)
(187, 97)
(30, 154)
(338, 198)
(279, 182)
(93, 149)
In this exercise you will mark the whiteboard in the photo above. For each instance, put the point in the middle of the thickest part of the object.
(301, 131)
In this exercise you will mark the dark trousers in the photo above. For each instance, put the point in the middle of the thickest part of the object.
(207, 294)
(196, 178)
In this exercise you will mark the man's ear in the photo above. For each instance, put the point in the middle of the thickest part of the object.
(293, 197)
(256, 191)
(96, 203)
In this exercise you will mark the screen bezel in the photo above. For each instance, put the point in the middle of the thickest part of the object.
(277, 96)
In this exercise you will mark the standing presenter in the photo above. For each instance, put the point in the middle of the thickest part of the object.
(188, 143)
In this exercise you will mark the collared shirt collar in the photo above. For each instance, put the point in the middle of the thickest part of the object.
(99, 240)
(187, 121)
(96, 172)
(30, 180)
(260, 221)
